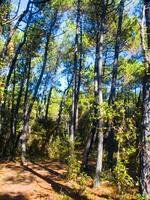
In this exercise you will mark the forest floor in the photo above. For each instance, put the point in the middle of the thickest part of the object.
(45, 180)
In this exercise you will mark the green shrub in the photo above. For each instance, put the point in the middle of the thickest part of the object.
(74, 167)
(60, 148)
(124, 180)
(140, 197)
(107, 175)
(82, 181)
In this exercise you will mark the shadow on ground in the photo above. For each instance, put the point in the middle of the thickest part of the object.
(9, 197)
(57, 187)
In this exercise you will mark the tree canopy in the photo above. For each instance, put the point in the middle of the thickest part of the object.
(75, 86)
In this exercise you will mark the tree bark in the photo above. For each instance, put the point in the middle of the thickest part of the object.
(60, 110)
(15, 118)
(112, 97)
(88, 147)
(48, 103)
(99, 101)
(28, 107)
(23, 136)
(145, 152)
(14, 60)
(76, 78)
(116, 56)
(12, 136)
(99, 93)
(4, 51)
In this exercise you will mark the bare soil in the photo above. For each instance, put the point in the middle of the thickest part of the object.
(47, 181)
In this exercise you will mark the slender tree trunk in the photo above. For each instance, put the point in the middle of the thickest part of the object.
(50, 91)
(94, 123)
(47, 135)
(60, 110)
(12, 136)
(29, 106)
(88, 148)
(77, 74)
(117, 51)
(80, 68)
(73, 110)
(100, 121)
(145, 152)
(3, 53)
(93, 132)
(48, 103)
(23, 136)
(10, 141)
(147, 15)
(15, 119)
(111, 136)
(99, 94)
(14, 60)
(116, 56)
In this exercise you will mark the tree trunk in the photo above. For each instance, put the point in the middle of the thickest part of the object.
(116, 56)
(145, 155)
(28, 65)
(4, 51)
(94, 123)
(99, 94)
(100, 101)
(28, 107)
(47, 135)
(88, 148)
(23, 137)
(60, 110)
(75, 79)
(48, 103)
(14, 60)
(12, 136)
(145, 152)
(111, 139)
(147, 15)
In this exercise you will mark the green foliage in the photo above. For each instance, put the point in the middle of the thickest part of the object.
(60, 148)
(107, 175)
(123, 116)
(64, 196)
(82, 180)
(131, 33)
(142, 197)
(130, 71)
(35, 140)
(4, 11)
(124, 180)
(74, 167)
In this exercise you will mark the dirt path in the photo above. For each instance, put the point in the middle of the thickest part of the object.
(42, 181)
(34, 181)
(46, 181)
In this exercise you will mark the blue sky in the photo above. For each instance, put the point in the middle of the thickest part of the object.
(22, 5)
(130, 7)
